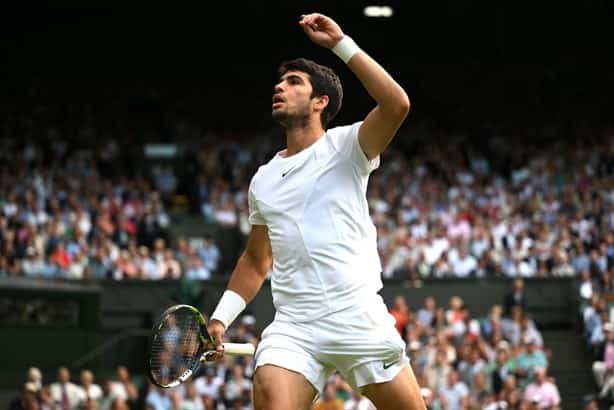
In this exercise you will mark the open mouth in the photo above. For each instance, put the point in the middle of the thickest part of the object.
(277, 99)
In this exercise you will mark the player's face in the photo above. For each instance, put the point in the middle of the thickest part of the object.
(292, 102)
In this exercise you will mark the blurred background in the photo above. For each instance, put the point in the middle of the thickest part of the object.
(129, 134)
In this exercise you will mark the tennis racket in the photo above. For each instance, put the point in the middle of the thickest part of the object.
(180, 343)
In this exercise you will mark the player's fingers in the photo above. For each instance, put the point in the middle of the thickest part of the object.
(216, 337)
(309, 18)
(217, 349)
(306, 25)
(311, 23)
(219, 352)
(218, 346)
(307, 28)
(319, 19)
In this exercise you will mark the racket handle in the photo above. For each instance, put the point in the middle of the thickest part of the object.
(247, 349)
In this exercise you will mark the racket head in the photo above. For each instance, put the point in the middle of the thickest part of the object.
(177, 343)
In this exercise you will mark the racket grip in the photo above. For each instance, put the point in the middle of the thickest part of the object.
(247, 349)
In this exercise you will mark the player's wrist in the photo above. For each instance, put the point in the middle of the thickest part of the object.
(214, 321)
(335, 39)
(345, 48)
(229, 307)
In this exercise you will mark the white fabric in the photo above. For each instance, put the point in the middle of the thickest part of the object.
(454, 395)
(119, 390)
(419, 230)
(324, 244)
(204, 387)
(72, 390)
(361, 403)
(586, 290)
(94, 393)
(235, 388)
(599, 371)
(229, 307)
(463, 267)
(361, 343)
(345, 49)
(432, 253)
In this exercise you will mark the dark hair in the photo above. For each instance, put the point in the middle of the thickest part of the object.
(324, 81)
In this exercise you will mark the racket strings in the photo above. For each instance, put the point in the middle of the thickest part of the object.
(175, 346)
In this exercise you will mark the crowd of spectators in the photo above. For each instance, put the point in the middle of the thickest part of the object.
(453, 211)
(463, 361)
(221, 385)
(460, 360)
(437, 213)
(77, 201)
(119, 393)
(70, 221)
(460, 207)
(598, 330)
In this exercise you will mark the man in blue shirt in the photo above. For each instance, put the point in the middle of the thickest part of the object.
(531, 359)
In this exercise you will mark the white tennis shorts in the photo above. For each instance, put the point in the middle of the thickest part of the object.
(361, 343)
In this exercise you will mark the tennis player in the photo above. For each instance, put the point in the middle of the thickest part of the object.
(310, 223)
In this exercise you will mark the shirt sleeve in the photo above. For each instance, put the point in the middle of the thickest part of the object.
(463, 389)
(556, 396)
(255, 217)
(529, 392)
(347, 140)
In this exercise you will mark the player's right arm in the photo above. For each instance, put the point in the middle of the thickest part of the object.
(247, 276)
(253, 265)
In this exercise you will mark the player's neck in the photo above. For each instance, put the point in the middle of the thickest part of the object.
(299, 138)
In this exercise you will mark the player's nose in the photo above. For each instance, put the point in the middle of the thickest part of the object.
(278, 88)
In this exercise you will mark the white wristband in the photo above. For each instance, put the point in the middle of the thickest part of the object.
(228, 308)
(345, 48)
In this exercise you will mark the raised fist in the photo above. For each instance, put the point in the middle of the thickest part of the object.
(321, 29)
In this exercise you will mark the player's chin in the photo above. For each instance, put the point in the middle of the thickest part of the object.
(279, 115)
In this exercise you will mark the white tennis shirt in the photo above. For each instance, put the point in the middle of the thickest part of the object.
(323, 241)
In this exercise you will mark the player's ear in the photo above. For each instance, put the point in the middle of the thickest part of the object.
(321, 102)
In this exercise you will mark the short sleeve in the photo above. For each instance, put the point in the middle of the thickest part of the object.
(255, 217)
(463, 390)
(347, 139)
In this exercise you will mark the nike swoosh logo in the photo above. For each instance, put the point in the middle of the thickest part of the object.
(389, 364)
(286, 173)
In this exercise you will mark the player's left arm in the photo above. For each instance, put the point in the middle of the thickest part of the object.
(382, 123)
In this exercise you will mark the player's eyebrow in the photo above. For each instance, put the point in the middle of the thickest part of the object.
(288, 77)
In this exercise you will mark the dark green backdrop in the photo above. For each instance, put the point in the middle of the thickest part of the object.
(114, 317)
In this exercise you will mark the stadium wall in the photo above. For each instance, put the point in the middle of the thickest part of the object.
(550, 300)
(114, 318)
